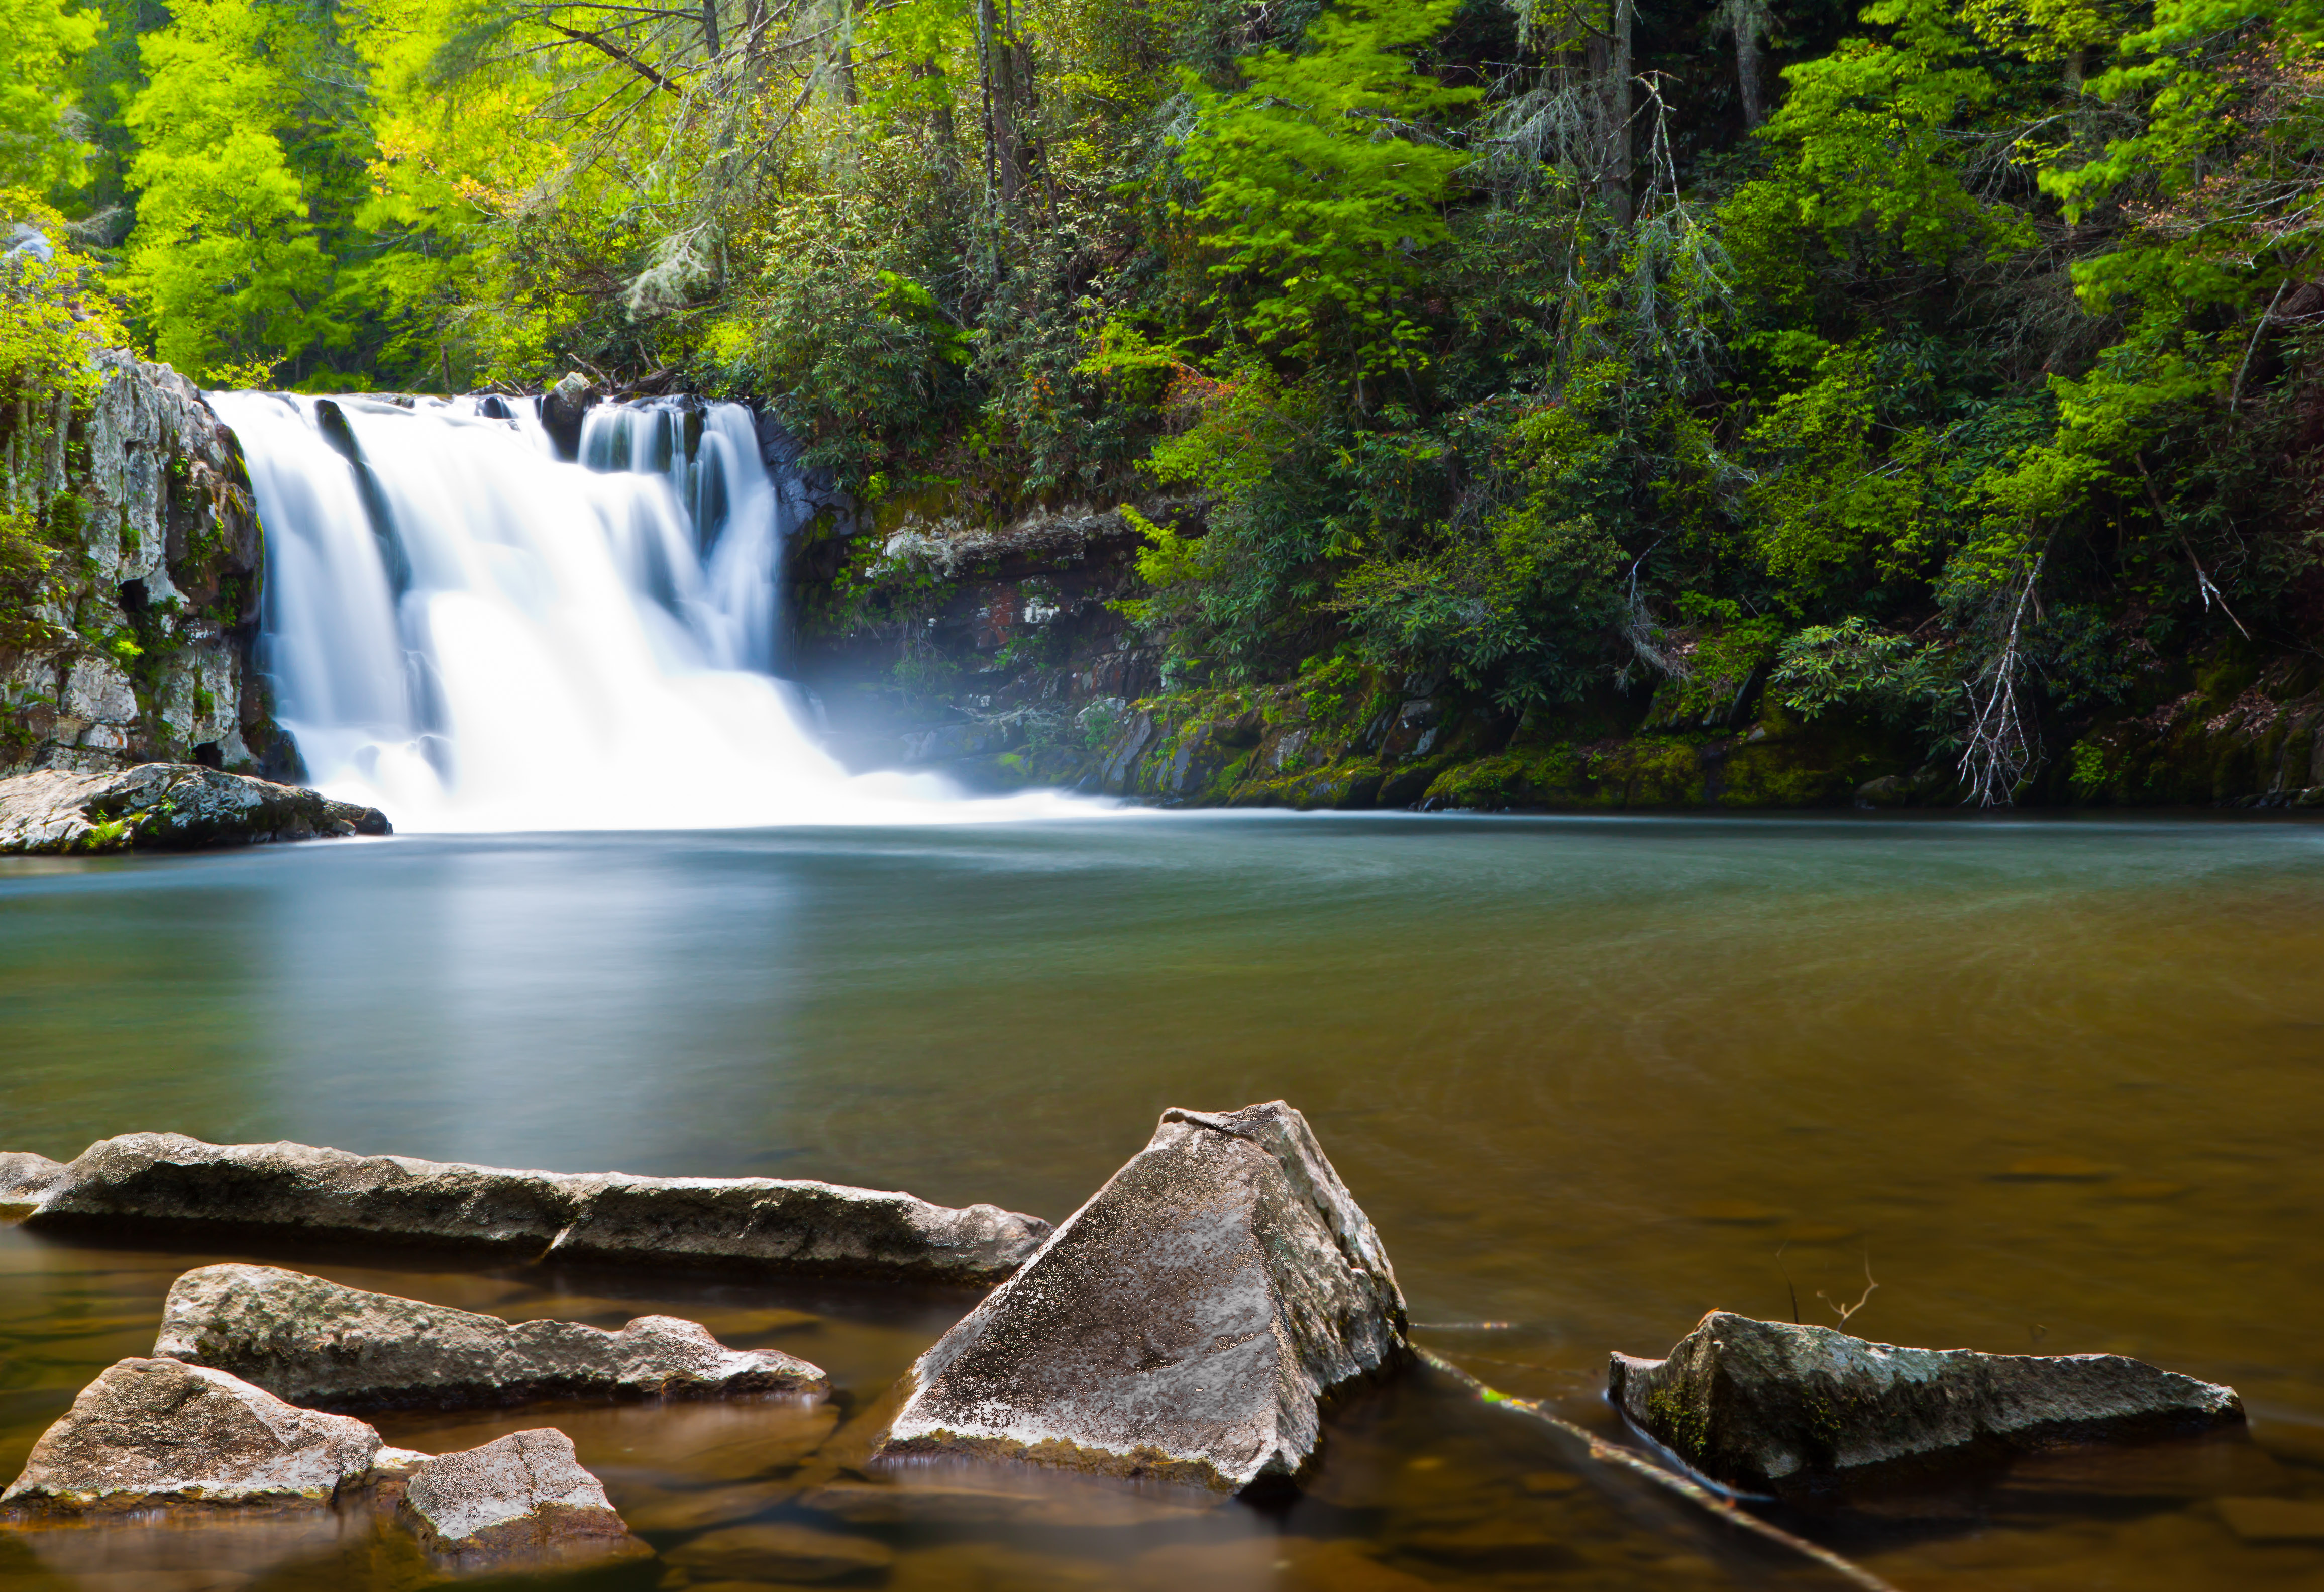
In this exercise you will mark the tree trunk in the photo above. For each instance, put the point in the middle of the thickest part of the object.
(710, 28)
(1008, 100)
(1750, 19)
(1610, 65)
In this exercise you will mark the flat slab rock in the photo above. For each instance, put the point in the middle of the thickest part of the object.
(157, 1432)
(756, 1224)
(519, 1502)
(166, 805)
(317, 1343)
(1770, 1406)
(1185, 1324)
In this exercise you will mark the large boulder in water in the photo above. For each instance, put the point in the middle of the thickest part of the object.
(522, 1502)
(157, 1432)
(166, 805)
(1770, 1406)
(562, 408)
(1187, 1323)
(318, 1343)
(758, 1224)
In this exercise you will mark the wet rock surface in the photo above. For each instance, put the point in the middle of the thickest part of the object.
(157, 1432)
(1185, 1324)
(317, 1343)
(167, 806)
(518, 1501)
(752, 1224)
(1766, 1405)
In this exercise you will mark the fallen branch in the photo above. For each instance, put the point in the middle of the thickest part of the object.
(1685, 1487)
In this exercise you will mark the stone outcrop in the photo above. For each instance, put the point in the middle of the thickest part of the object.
(1187, 1323)
(317, 1343)
(24, 1177)
(1768, 1406)
(519, 1502)
(156, 1432)
(167, 806)
(136, 647)
(758, 1224)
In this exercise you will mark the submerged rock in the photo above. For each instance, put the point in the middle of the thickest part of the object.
(1769, 1405)
(318, 1343)
(519, 1502)
(760, 1224)
(1186, 1323)
(157, 1432)
(24, 1177)
(166, 805)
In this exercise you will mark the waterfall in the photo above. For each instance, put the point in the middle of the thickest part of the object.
(465, 630)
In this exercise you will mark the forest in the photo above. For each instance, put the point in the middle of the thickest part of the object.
(1946, 363)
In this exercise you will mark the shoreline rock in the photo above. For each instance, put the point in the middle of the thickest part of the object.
(157, 1432)
(327, 1347)
(24, 1177)
(758, 1224)
(167, 806)
(1186, 1324)
(1770, 1406)
(519, 1502)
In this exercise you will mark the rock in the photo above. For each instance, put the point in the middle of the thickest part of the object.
(24, 1177)
(521, 1500)
(164, 541)
(1767, 1405)
(157, 1432)
(1185, 1323)
(166, 805)
(561, 410)
(758, 1224)
(317, 1343)
(775, 1551)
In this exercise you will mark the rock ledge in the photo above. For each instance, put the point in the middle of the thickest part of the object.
(756, 1224)
(318, 1344)
(167, 806)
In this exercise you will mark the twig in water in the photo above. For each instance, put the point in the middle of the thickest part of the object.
(1871, 1288)
(1685, 1487)
(1793, 1287)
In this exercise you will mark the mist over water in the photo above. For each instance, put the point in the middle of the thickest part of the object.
(473, 636)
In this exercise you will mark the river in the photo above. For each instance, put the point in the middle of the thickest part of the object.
(2055, 1085)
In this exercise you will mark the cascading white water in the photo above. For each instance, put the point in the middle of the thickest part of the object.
(471, 634)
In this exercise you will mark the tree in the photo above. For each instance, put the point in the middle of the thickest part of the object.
(40, 143)
(225, 264)
(1321, 181)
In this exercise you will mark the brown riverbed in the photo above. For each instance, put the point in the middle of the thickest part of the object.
(2055, 1083)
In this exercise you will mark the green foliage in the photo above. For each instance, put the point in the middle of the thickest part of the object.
(1319, 186)
(1851, 665)
(1523, 605)
(41, 41)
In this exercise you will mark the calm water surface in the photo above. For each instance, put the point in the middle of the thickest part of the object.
(2058, 1086)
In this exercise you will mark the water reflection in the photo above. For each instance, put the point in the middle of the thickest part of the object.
(2055, 1083)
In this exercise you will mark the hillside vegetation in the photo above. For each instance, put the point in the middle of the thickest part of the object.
(1946, 368)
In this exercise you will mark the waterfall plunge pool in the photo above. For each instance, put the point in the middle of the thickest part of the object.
(2059, 1083)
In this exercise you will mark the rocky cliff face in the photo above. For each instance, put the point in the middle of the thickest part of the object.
(135, 645)
(999, 662)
